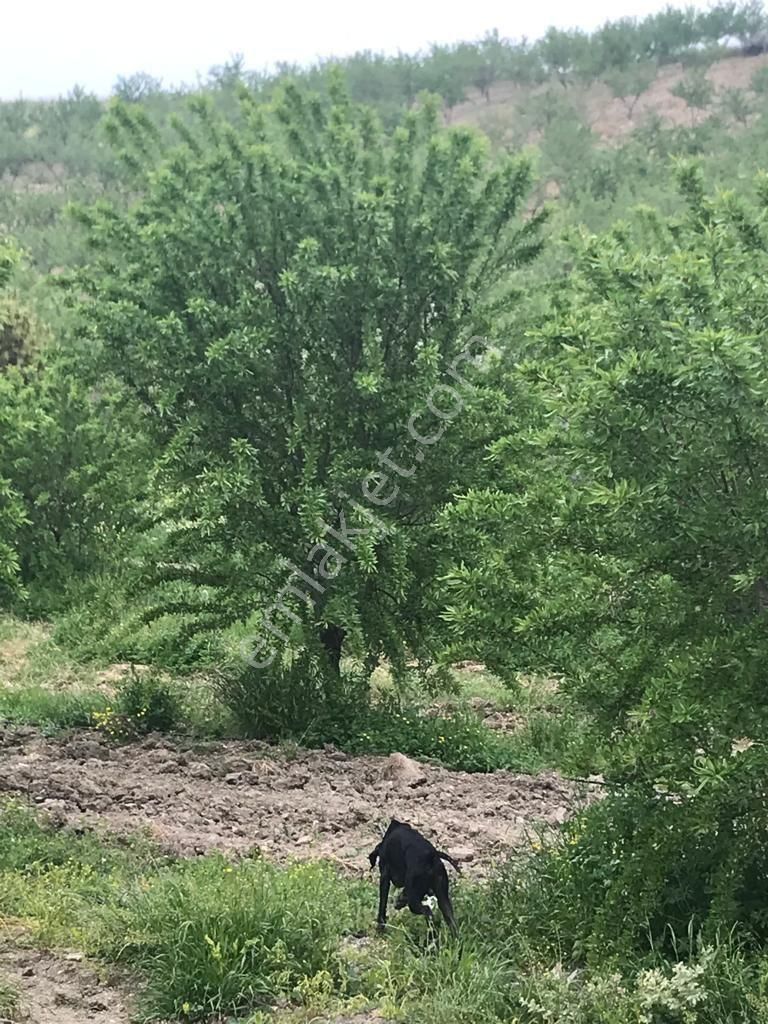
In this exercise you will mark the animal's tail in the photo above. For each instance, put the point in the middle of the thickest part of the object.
(451, 861)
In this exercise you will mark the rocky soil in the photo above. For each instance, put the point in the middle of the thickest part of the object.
(240, 796)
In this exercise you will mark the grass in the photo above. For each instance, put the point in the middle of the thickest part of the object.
(9, 1000)
(29, 658)
(42, 685)
(207, 936)
(50, 710)
(211, 939)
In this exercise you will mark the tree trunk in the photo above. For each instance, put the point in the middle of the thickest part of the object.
(332, 639)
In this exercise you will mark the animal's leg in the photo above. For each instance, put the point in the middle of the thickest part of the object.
(446, 907)
(383, 897)
(402, 900)
(417, 906)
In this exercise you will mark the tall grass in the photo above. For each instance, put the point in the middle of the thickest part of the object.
(209, 938)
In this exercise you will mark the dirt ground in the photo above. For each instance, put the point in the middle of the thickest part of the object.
(239, 796)
(62, 989)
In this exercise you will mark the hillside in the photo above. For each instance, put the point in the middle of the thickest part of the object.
(501, 114)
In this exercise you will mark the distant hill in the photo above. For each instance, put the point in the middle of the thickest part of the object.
(502, 113)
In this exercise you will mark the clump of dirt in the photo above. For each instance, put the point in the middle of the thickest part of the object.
(62, 989)
(243, 797)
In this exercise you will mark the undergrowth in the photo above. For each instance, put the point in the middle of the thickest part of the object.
(210, 938)
(46, 686)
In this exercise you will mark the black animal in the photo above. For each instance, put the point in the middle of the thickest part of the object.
(410, 862)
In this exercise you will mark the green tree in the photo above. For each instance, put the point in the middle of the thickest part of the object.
(628, 548)
(629, 83)
(696, 90)
(137, 87)
(615, 46)
(736, 104)
(524, 66)
(669, 34)
(626, 551)
(284, 301)
(491, 63)
(448, 72)
(564, 53)
(408, 73)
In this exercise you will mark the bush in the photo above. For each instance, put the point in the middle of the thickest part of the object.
(296, 700)
(643, 871)
(143, 704)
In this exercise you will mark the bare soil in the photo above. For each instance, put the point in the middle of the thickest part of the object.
(62, 989)
(239, 797)
(607, 116)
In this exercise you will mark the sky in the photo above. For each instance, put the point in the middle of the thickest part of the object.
(48, 46)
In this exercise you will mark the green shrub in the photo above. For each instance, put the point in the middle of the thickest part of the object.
(643, 871)
(294, 701)
(149, 702)
(213, 938)
(143, 704)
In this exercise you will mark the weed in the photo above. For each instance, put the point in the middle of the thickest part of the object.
(143, 704)
(9, 1000)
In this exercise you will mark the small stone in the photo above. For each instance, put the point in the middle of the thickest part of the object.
(404, 770)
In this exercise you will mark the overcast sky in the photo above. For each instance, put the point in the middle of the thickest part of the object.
(47, 46)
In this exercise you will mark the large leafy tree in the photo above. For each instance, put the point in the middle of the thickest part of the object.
(70, 465)
(628, 547)
(627, 551)
(285, 293)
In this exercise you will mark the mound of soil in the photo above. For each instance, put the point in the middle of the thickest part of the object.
(239, 797)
